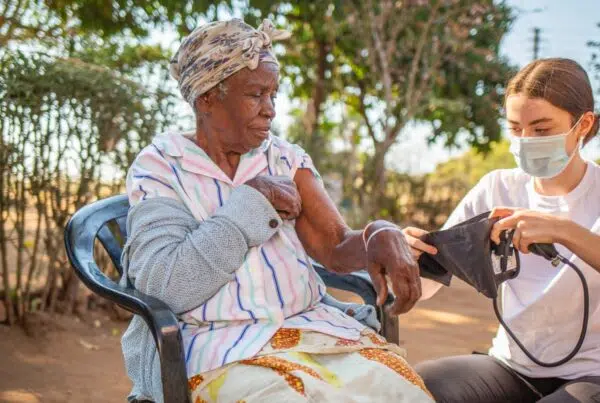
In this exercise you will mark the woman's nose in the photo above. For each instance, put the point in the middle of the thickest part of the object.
(527, 132)
(268, 108)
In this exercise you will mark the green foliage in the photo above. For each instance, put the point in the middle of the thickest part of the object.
(110, 111)
(470, 167)
(67, 129)
(428, 200)
(75, 109)
(433, 61)
(468, 90)
(114, 54)
(26, 20)
(436, 62)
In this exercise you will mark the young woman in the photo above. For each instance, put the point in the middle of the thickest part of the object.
(553, 197)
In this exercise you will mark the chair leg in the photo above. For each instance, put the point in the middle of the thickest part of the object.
(172, 367)
(389, 326)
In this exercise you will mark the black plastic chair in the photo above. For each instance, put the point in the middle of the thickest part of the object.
(106, 221)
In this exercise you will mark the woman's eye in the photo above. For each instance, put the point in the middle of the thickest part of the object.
(541, 131)
(515, 131)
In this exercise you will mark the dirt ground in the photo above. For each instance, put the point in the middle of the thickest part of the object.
(69, 360)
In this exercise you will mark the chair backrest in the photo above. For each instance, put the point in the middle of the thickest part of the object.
(105, 220)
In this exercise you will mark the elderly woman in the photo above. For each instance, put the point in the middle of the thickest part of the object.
(223, 223)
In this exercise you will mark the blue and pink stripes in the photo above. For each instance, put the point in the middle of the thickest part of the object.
(275, 287)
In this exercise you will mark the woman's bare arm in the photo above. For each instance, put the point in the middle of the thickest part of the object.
(328, 239)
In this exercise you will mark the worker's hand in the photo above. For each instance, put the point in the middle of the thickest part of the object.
(417, 246)
(530, 227)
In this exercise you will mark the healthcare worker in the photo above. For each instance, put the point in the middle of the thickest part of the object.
(552, 197)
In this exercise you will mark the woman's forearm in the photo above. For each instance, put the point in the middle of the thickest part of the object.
(349, 255)
(582, 242)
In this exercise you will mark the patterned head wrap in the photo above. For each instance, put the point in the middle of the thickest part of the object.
(215, 51)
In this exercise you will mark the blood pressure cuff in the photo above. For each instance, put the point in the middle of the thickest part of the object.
(464, 251)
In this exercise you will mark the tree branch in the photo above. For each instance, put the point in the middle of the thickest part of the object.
(363, 111)
(414, 68)
(384, 63)
(28, 31)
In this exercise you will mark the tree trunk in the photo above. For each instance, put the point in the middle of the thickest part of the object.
(5, 282)
(34, 256)
(51, 272)
(318, 95)
(315, 143)
(378, 179)
(20, 227)
(4, 207)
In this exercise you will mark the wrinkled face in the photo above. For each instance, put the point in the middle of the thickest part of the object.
(536, 117)
(241, 116)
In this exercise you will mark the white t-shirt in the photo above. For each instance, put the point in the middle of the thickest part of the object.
(543, 306)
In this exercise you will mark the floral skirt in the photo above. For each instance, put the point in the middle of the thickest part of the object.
(305, 366)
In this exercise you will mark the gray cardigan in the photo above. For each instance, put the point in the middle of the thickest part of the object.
(168, 248)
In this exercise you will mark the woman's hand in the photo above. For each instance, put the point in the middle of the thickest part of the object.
(389, 253)
(281, 192)
(530, 227)
(417, 246)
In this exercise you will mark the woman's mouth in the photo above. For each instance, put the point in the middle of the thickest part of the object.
(262, 131)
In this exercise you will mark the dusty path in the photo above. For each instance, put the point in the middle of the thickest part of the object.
(72, 361)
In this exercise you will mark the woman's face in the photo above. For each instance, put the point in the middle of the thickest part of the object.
(536, 117)
(241, 118)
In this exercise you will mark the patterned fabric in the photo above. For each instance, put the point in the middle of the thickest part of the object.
(275, 287)
(302, 366)
(166, 247)
(215, 51)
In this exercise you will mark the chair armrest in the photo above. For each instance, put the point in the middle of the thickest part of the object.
(360, 283)
(80, 235)
(160, 319)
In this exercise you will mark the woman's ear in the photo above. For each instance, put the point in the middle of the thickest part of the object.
(588, 121)
(203, 103)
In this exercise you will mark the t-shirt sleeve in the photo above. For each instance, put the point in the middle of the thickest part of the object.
(150, 176)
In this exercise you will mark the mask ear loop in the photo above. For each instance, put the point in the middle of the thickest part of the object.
(580, 143)
(582, 138)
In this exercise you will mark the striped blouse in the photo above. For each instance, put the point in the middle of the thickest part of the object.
(276, 286)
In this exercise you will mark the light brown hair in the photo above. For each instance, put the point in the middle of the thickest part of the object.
(562, 82)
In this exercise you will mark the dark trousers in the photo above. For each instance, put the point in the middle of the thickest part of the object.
(483, 379)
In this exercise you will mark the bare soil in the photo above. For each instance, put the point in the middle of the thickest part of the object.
(66, 359)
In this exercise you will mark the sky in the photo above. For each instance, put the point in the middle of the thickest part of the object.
(566, 26)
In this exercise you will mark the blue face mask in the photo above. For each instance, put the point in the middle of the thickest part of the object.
(543, 157)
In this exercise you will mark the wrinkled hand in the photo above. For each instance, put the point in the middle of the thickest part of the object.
(388, 253)
(417, 246)
(281, 192)
(530, 227)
